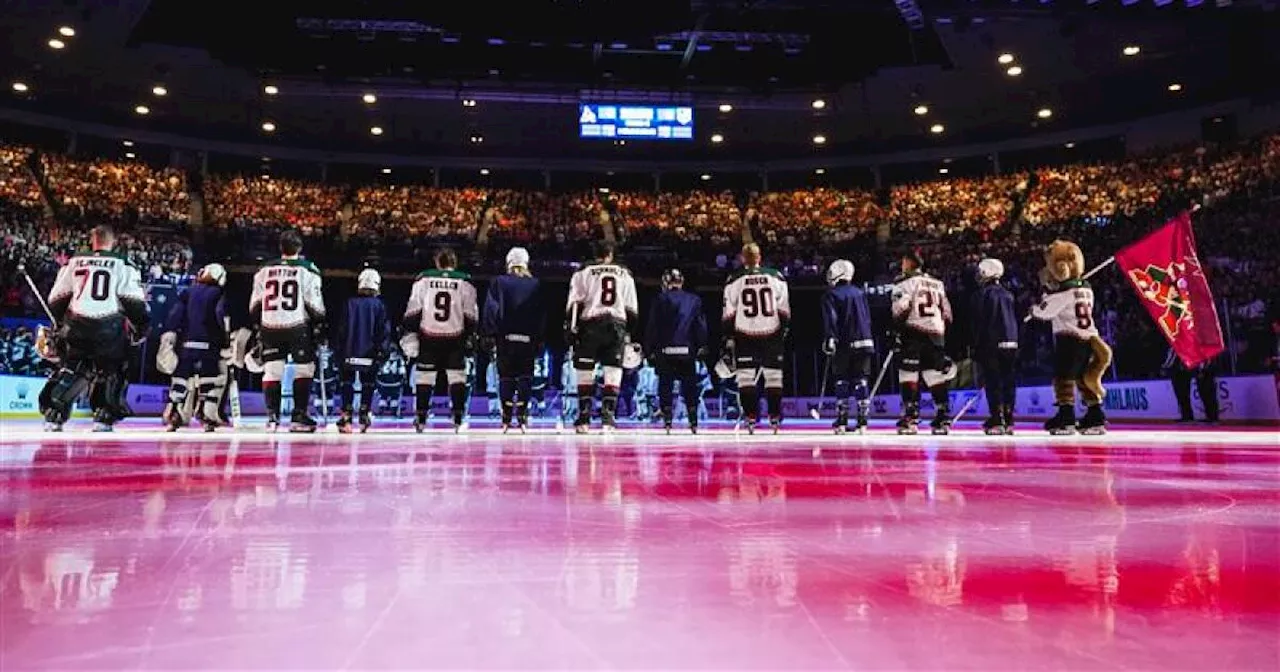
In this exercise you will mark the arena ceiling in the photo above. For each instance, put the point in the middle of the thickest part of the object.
(490, 77)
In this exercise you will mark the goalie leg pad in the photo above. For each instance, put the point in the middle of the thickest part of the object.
(213, 391)
(61, 391)
(107, 395)
(179, 391)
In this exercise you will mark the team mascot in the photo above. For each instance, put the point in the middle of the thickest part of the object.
(1080, 354)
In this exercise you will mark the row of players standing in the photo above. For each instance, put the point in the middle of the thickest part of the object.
(99, 304)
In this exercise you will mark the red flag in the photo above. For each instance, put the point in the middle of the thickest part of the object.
(1165, 271)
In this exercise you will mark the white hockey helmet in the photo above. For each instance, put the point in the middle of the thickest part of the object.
(369, 279)
(215, 272)
(518, 256)
(840, 270)
(990, 269)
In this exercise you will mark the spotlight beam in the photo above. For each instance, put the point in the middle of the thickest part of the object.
(692, 46)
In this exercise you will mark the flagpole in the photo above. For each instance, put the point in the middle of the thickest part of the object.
(1092, 272)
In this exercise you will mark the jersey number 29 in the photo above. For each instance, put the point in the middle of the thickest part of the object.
(281, 295)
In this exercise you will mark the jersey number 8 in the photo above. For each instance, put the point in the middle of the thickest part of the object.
(281, 295)
(757, 302)
(608, 290)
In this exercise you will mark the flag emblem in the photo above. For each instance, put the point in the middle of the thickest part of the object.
(1166, 287)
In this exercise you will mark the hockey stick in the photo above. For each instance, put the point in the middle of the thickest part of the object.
(1092, 272)
(324, 395)
(816, 412)
(22, 268)
(233, 397)
(967, 405)
(884, 368)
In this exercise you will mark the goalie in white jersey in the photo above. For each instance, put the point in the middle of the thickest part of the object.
(99, 308)
(288, 308)
(442, 315)
(921, 313)
(603, 312)
(757, 313)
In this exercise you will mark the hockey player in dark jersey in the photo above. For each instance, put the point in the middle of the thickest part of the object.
(195, 349)
(675, 338)
(99, 308)
(846, 325)
(363, 344)
(391, 383)
(995, 344)
(513, 321)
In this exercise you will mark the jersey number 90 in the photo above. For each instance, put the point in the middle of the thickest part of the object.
(757, 302)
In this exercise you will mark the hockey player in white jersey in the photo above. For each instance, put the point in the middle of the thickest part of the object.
(288, 307)
(99, 308)
(756, 316)
(921, 313)
(603, 312)
(444, 314)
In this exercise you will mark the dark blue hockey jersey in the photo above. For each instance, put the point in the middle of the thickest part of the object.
(995, 326)
(366, 331)
(677, 325)
(199, 319)
(846, 318)
(513, 310)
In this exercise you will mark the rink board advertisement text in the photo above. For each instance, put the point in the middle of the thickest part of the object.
(1242, 399)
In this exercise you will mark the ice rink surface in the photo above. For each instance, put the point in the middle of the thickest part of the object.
(1149, 548)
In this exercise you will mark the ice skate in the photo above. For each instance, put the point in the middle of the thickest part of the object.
(941, 423)
(302, 424)
(693, 426)
(420, 422)
(992, 425)
(99, 426)
(666, 425)
(344, 423)
(775, 424)
(1094, 422)
(53, 426)
(460, 424)
(861, 422)
(365, 421)
(1062, 424)
(1006, 420)
(581, 427)
(907, 426)
(273, 422)
(841, 423)
(210, 426)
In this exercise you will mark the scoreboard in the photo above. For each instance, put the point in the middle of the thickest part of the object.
(635, 122)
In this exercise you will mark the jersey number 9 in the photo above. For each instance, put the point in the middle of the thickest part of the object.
(281, 295)
(1084, 316)
(444, 306)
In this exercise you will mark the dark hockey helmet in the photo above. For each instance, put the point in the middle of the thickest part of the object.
(672, 278)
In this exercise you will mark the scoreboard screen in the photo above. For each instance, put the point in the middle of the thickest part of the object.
(635, 122)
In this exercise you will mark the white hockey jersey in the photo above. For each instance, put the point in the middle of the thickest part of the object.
(603, 291)
(920, 303)
(757, 302)
(96, 285)
(287, 294)
(442, 304)
(1069, 310)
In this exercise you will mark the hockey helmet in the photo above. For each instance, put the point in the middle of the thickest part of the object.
(369, 279)
(840, 270)
(215, 272)
(518, 256)
(990, 269)
(672, 278)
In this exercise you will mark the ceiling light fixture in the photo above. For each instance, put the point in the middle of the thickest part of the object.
(1005, 58)
(937, 128)
(369, 98)
(271, 89)
(484, 171)
(819, 104)
(130, 155)
(67, 31)
(21, 87)
(726, 107)
(1132, 50)
(717, 138)
(376, 130)
(269, 126)
(55, 43)
(943, 171)
(1044, 113)
(922, 110)
(386, 171)
(819, 139)
(128, 143)
(820, 171)
(468, 103)
(142, 109)
(159, 90)
(706, 176)
(1175, 87)
(1070, 145)
(1014, 71)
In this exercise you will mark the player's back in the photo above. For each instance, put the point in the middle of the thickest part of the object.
(287, 294)
(604, 291)
(514, 306)
(97, 286)
(442, 303)
(757, 302)
(365, 331)
(205, 315)
(920, 303)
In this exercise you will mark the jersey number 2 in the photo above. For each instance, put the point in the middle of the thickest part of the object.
(281, 295)
(98, 282)
(927, 302)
